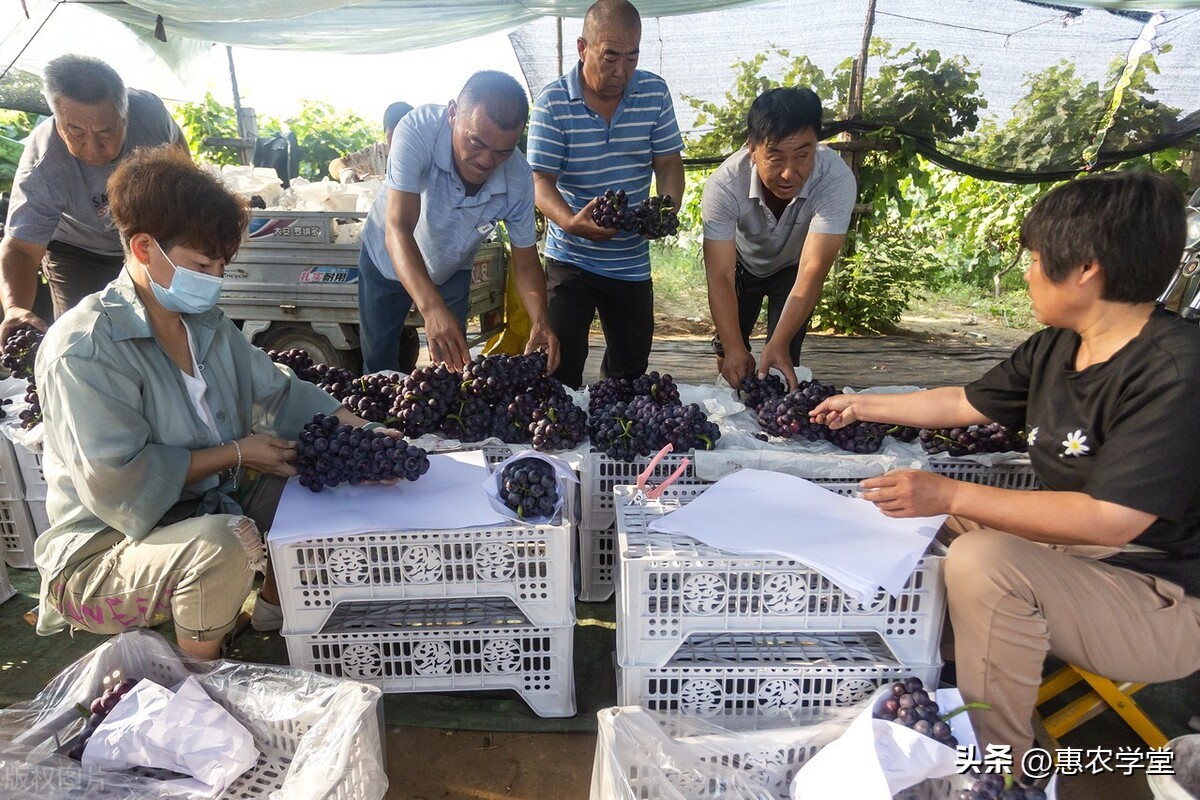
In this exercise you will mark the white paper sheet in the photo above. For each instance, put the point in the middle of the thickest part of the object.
(846, 539)
(448, 497)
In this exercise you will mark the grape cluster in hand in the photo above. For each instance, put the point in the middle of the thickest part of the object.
(529, 487)
(331, 453)
(612, 211)
(787, 414)
(657, 217)
(373, 396)
(973, 439)
(995, 787)
(756, 391)
(96, 713)
(910, 705)
(20, 351)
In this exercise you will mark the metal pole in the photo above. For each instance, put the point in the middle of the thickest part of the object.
(558, 23)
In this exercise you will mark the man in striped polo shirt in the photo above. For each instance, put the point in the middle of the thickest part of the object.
(454, 172)
(603, 125)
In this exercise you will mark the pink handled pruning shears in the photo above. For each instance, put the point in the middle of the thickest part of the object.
(653, 493)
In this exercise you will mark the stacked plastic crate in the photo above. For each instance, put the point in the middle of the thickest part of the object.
(437, 610)
(17, 528)
(597, 536)
(709, 632)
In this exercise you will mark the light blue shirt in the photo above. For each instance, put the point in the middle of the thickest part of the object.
(590, 154)
(120, 428)
(452, 224)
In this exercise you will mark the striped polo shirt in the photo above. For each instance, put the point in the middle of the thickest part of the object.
(452, 224)
(589, 154)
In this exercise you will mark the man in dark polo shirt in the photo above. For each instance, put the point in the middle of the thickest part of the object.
(58, 215)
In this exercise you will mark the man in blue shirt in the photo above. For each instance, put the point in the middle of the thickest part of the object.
(603, 125)
(453, 173)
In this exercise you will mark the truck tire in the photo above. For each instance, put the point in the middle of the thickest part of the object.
(285, 337)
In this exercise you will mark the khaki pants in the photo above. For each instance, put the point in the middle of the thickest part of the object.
(1012, 601)
(197, 571)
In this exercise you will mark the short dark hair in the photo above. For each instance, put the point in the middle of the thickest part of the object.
(85, 80)
(501, 96)
(1131, 223)
(159, 191)
(605, 15)
(778, 113)
(394, 113)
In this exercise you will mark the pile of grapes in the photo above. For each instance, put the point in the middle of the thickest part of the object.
(96, 713)
(529, 487)
(20, 353)
(507, 397)
(785, 414)
(632, 419)
(993, 786)
(991, 438)
(653, 218)
(331, 453)
(372, 396)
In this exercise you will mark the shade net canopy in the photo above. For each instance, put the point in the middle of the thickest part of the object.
(1050, 88)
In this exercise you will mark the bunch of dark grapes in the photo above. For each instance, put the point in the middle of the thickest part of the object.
(20, 351)
(529, 487)
(331, 453)
(424, 398)
(992, 786)
(612, 210)
(787, 415)
(96, 712)
(606, 393)
(657, 217)
(372, 396)
(910, 705)
(859, 437)
(755, 390)
(334, 380)
(6, 401)
(558, 424)
(31, 416)
(972, 440)
(511, 423)
(659, 388)
(469, 419)
(619, 434)
(297, 360)
(904, 433)
(682, 427)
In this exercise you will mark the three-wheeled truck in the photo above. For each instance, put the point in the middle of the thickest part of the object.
(293, 284)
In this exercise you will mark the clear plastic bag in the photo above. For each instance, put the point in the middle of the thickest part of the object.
(318, 736)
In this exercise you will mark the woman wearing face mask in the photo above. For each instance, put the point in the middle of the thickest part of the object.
(156, 411)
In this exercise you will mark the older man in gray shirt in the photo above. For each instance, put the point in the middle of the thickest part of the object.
(775, 214)
(58, 216)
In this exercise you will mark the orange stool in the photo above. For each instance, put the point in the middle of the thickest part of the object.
(1102, 694)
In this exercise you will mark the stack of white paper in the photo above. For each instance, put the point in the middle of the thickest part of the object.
(846, 539)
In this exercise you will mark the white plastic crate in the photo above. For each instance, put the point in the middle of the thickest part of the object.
(531, 565)
(445, 646)
(30, 464)
(671, 586)
(317, 737)
(17, 533)
(6, 587)
(597, 563)
(1008, 475)
(766, 674)
(11, 485)
(37, 513)
(646, 756)
(599, 474)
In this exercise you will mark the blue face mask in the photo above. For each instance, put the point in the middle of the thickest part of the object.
(191, 292)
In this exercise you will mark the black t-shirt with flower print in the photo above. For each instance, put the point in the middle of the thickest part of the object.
(1126, 431)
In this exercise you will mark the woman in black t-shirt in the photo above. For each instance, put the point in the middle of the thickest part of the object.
(1101, 566)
